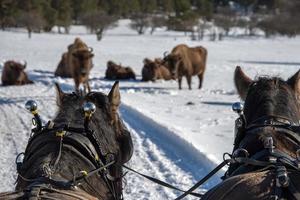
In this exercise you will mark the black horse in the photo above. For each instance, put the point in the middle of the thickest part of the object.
(266, 162)
(77, 156)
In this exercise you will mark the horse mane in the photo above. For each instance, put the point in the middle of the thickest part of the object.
(271, 96)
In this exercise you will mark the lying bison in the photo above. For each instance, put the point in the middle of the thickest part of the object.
(187, 61)
(77, 63)
(154, 70)
(114, 72)
(13, 74)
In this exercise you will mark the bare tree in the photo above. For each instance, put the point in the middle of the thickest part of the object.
(97, 22)
(32, 21)
(225, 19)
(140, 22)
(157, 21)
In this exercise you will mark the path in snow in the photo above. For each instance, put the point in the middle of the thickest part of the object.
(158, 152)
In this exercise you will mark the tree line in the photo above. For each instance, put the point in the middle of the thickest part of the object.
(191, 16)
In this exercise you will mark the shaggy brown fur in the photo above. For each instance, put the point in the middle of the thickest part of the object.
(42, 150)
(77, 63)
(118, 72)
(263, 97)
(154, 70)
(63, 69)
(13, 74)
(187, 61)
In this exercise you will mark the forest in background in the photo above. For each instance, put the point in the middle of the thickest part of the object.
(194, 17)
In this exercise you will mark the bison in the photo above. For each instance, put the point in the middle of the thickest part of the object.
(62, 69)
(13, 74)
(186, 61)
(154, 70)
(115, 71)
(77, 63)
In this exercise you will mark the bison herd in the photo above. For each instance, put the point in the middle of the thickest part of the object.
(76, 63)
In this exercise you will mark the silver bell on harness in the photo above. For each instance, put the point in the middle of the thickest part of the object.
(89, 109)
(238, 107)
(31, 106)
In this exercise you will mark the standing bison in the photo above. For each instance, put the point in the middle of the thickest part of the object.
(187, 61)
(77, 63)
(118, 72)
(154, 70)
(13, 74)
(62, 69)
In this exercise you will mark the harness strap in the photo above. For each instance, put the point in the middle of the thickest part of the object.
(204, 179)
(162, 183)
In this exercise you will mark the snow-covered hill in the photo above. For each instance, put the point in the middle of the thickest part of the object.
(178, 135)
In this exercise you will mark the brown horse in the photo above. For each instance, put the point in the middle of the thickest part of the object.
(59, 158)
(268, 140)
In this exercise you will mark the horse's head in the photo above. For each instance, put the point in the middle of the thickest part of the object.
(88, 138)
(269, 96)
(105, 121)
(271, 104)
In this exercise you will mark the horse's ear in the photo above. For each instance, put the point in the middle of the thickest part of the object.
(115, 100)
(114, 95)
(242, 82)
(59, 94)
(294, 83)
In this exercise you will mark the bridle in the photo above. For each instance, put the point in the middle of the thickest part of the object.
(274, 121)
(82, 141)
(279, 160)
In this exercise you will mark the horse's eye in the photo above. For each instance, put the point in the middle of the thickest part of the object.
(253, 84)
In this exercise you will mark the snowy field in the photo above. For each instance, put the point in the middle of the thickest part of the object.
(179, 136)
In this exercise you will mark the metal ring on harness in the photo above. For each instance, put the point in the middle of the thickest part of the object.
(282, 179)
(237, 152)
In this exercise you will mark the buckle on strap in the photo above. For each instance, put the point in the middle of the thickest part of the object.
(282, 179)
(269, 144)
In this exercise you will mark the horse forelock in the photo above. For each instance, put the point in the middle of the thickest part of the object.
(70, 112)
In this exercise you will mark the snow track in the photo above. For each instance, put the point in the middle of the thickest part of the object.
(159, 153)
(157, 150)
(16, 124)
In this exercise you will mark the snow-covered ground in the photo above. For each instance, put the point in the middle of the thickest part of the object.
(179, 136)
